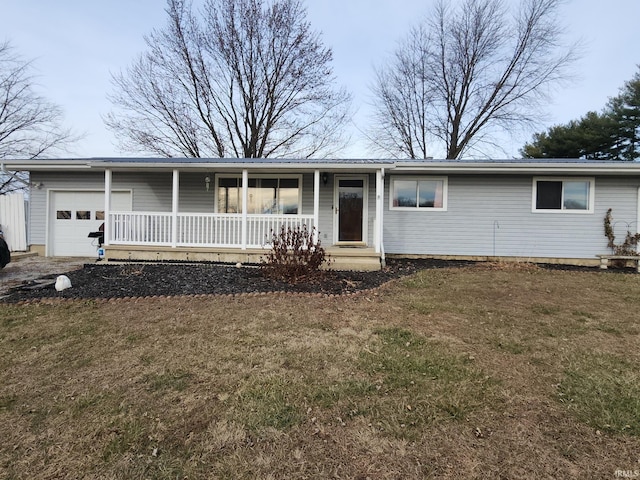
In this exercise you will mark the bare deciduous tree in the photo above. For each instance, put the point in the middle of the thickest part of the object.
(30, 126)
(243, 78)
(466, 72)
(404, 97)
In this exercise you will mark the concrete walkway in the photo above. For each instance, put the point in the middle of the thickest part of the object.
(27, 267)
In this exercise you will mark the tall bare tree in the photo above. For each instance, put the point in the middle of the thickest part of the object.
(30, 125)
(403, 99)
(466, 72)
(240, 78)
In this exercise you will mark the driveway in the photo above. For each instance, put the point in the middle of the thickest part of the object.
(28, 268)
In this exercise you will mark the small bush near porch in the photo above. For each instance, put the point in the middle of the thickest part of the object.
(478, 372)
(295, 254)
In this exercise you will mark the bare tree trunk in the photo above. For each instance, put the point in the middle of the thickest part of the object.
(482, 72)
(243, 79)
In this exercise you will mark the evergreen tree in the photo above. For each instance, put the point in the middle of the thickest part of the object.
(591, 137)
(610, 135)
(625, 111)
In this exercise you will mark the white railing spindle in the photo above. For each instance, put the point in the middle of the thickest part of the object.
(199, 229)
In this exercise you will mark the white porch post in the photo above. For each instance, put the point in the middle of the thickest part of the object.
(377, 234)
(316, 204)
(174, 208)
(107, 206)
(245, 206)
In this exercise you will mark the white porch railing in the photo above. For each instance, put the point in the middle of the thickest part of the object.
(140, 228)
(259, 227)
(198, 229)
(218, 230)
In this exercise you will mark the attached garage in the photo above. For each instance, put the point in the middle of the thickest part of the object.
(73, 214)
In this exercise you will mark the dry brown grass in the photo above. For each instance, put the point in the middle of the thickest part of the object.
(465, 373)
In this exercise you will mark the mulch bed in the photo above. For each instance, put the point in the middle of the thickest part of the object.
(104, 281)
(171, 279)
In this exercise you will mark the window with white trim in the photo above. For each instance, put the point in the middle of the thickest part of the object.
(418, 193)
(572, 195)
(267, 195)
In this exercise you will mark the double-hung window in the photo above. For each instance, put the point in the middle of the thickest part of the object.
(266, 195)
(418, 193)
(571, 195)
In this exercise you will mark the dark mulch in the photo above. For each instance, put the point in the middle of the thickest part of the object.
(150, 279)
(170, 279)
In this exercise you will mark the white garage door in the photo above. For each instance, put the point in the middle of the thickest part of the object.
(72, 215)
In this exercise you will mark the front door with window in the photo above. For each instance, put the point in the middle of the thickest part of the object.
(350, 207)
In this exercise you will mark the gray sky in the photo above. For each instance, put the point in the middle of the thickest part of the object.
(77, 43)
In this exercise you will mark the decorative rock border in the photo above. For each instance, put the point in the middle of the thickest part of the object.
(62, 300)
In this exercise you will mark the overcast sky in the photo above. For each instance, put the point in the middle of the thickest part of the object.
(76, 44)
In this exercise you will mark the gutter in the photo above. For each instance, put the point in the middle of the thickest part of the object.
(51, 164)
(253, 166)
(441, 167)
(13, 176)
(506, 168)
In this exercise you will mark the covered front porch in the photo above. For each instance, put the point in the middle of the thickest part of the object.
(238, 231)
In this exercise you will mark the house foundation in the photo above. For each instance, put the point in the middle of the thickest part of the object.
(340, 258)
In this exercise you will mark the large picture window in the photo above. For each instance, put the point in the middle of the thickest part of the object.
(267, 195)
(417, 193)
(568, 195)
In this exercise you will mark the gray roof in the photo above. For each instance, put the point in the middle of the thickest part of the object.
(438, 166)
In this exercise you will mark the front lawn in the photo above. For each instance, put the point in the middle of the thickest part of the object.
(487, 371)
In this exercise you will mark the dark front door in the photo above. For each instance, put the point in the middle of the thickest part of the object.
(351, 194)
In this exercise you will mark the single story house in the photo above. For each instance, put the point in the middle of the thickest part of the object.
(363, 210)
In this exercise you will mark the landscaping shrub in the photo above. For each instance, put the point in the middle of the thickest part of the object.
(295, 254)
(630, 244)
(628, 247)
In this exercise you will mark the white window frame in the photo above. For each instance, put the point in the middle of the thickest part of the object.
(257, 176)
(591, 200)
(418, 208)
